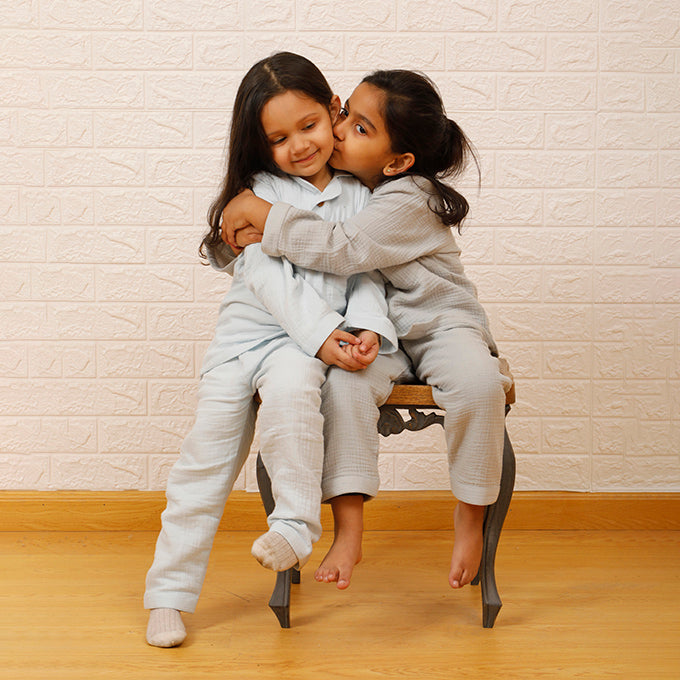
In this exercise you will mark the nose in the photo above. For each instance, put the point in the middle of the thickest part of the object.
(339, 128)
(299, 143)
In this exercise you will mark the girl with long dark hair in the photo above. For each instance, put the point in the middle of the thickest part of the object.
(279, 326)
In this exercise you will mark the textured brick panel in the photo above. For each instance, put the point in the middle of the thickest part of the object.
(113, 124)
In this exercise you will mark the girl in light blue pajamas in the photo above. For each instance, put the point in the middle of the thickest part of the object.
(278, 329)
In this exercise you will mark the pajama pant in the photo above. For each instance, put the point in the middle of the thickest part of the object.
(213, 453)
(466, 381)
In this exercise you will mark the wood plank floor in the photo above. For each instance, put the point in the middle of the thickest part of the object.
(600, 604)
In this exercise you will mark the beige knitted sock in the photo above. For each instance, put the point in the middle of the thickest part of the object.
(165, 628)
(274, 552)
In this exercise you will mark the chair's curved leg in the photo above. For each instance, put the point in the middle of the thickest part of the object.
(493, 523)
(264, 484)
(475, 581)
(279, 602)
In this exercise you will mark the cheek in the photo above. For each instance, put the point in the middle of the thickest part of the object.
(320, 140)
(362, 156)
(325, 137)
(278, 155)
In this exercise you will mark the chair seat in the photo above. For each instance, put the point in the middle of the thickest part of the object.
(409, 395)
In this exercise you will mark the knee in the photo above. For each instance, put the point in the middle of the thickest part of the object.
(340, 384)
(361, 387)
(482, 386)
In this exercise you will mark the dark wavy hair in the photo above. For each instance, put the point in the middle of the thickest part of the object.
(249, 151)
(417, 123)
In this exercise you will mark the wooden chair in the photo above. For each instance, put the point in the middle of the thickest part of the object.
(414, 398)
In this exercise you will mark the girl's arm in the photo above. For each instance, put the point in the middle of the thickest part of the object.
(367, 309)
(295, 304)
(222, 256)
(366, 304)
(244, 213)
(396, 227)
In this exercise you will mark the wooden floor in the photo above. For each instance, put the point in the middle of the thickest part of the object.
(602, 604)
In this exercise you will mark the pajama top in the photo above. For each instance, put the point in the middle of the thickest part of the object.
(270, 297)
(399, 235)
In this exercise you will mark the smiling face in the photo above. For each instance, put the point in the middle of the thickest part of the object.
(362, 144)
(300, 135)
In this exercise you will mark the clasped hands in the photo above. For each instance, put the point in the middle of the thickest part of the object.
(351, 352)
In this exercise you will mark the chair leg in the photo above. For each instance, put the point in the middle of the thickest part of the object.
(264, 484)
(279, 602)
(493, 523)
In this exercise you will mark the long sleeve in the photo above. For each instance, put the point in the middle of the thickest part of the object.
(222, 258)
(295, 304)
(399, 234)
(304, 302)
(367, 309)
(385, 234)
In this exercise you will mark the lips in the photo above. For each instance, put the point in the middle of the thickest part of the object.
(308, 159)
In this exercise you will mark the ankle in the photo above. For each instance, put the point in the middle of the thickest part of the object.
(348, 516)
(470, 513)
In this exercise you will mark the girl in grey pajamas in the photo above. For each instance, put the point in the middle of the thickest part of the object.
(273, 324)
(394, 135)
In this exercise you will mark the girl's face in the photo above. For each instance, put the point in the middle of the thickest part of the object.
(300, 135)
(362, 144)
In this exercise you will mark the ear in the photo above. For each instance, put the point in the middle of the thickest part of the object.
(399, 164)
(334, 108)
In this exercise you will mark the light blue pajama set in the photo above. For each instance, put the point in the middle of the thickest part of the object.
(440, 323)
(271, 323)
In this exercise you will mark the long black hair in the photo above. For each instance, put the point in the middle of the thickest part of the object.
(417, 123)
(249, 151)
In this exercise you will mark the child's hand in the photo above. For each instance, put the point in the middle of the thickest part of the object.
(333, 353)
(245, 210)
(244, 237)
(367, 350)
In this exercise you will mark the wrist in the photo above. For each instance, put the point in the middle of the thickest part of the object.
(258, 211)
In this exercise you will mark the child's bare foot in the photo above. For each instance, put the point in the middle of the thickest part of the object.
(468, 543)
(345, 553)
(338, 564)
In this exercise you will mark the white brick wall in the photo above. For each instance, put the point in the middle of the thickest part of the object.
(113, 117)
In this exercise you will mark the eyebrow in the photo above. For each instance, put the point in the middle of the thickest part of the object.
(362, 118)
